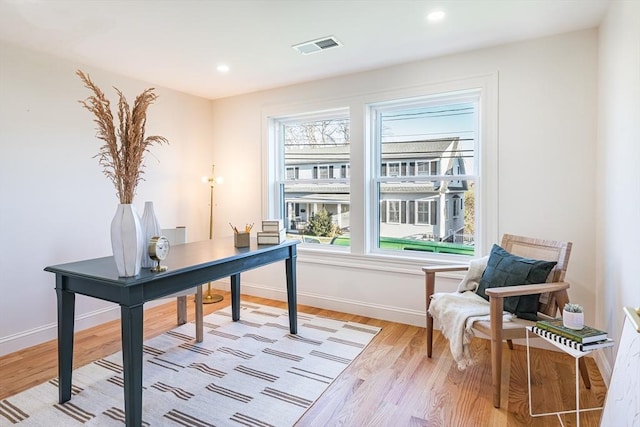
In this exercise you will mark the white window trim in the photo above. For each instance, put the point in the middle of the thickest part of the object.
(359, 255)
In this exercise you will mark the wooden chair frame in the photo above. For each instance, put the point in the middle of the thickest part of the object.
(555, 291)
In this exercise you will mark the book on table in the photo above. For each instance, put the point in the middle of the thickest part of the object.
(272, 237)
(607, 342)
(585, 335)
(272, 225)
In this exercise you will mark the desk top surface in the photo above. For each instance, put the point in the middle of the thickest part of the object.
(182, 258)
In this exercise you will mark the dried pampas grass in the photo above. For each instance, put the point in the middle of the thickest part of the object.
(123, 151)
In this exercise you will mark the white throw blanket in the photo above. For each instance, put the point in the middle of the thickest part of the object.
(456, 312)
(471, 280)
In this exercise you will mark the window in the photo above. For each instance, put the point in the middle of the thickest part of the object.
(292, 173)
(426, 212)
(417, 165)
(436, 136)
(313, 182)
(321, 172)
(393, 169)
(393, 211)
(427, 167)
(457, 206)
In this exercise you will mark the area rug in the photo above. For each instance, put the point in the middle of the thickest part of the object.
(252, 372)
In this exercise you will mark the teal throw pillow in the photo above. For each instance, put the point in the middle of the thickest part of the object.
(505, 269)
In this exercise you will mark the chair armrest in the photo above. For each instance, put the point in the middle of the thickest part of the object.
(539, 288)
(430, 276)
(445, 268)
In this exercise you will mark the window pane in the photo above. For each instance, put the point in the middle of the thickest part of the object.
(420, 221)
(316, 195)
(426, 177)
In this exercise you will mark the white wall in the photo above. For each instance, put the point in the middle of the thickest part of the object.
(618, 201)
(546, 153)
(57, 205)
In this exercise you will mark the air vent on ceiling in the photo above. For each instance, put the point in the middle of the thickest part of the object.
(317, 45)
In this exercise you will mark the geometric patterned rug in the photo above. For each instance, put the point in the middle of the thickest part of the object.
(252, 372)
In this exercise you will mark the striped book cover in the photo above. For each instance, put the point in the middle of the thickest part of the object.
(572, 343)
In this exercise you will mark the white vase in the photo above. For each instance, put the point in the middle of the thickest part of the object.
(572, 320)
(150, 228)
(127, 240)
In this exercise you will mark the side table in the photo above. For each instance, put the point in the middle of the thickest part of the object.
(576, 354)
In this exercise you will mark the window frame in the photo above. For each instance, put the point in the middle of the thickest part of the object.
(276, 204)
(360, 253)
(380, 177)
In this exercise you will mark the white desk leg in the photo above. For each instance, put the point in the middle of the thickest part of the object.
(577, 393)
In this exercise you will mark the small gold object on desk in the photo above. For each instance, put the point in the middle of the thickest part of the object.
(241, 238)
(158, 251)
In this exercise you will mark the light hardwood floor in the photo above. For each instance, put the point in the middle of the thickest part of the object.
(392, 383)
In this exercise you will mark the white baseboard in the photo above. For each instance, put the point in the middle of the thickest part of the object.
(42, 334)
(330, 302)
(49, 332)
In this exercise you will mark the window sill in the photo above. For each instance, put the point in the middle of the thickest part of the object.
(383, 261)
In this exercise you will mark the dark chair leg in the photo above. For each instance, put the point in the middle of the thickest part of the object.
(584, 372)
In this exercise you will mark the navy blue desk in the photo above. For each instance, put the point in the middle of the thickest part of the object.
(190, 265)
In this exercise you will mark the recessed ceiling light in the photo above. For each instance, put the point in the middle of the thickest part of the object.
(222, 68)
(436, 15)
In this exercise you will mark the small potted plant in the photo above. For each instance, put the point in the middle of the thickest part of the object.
(573, 316)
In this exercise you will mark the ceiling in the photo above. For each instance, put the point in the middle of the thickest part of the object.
(179, 43)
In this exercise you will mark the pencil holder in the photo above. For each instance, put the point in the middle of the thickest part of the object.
(241, 240)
